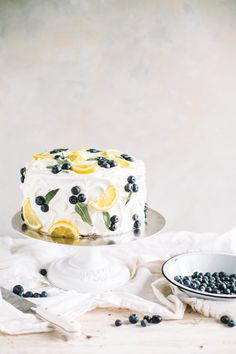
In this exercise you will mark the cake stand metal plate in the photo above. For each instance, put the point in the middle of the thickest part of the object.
(155, 223)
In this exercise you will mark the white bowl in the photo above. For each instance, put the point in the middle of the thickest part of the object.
(187, 264)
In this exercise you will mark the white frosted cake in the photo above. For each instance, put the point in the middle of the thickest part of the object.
(88, 191)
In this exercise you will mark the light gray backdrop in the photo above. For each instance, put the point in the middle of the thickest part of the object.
(156, 79)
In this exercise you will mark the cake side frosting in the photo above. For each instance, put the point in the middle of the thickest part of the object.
(95, 192)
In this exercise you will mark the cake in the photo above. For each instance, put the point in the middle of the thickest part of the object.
(88, 191)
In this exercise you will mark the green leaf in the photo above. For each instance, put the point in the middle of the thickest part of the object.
(92, 159)
(128, 198)
(50, 195)
(107, 219)
(82, 210)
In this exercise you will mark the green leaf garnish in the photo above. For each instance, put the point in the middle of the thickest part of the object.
(82, 210)
(107, 219)
(50, 195)
(128, 198)
(92, 159)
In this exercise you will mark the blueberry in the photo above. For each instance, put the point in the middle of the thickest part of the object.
(43, 272)
(137, 232)
(216, 291)
(75, 190)
(127, 157)
(118, 323)
(40, 200)
(56, 169)
(187, 283)
(201, 288)
(137, 224)
(224, 319)
(18, 290)
(222, 286)
(133, 318)
(113, 227)
(231, 323)
(22, 179)
(193, 285)
(143, 323)
(44, 294)
(113, 163)
(23, 171)
(57, 157)
(24, 227)
(28, 294)
(195, 275)
(101, 161)
(135, 217)
(44, 208)
(226, 291)
(131, 179)
(114, 219)
(207, 274)
(209, 289)
(93, 151)
(129, 187)
(135, 188)
(36, 295)
(81, 198)
(65, 166)
(106, 165)
(215, 274)
(156, 319)
(147, 318)
(222, 274)
(177, 278)
(73, 199)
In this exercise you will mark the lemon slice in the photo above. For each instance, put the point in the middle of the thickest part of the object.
(107, 199)
(124, 163)
(111, 153)
(84, 168)
(43, 156)
(63, 229)
(30, 216)
(77, 156)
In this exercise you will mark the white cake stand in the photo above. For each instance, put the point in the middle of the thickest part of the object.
(87, 270)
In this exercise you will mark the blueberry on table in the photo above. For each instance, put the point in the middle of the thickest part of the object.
(118, 323)
(82, 198)
(147, 318)
(36, 295)
(75, 190)
(137, 224)
(135, 188)
(131, 179)
(18, 290)
(56, 169)
(114, 219)
(135, 217)
(73, 199)
(156, 319)
(231, 323)
(129, 187)
(28, 294)
(23, 171)
(40, 200)
(44, 294)
(133, 318)
(143, 323)
(113, 227)
(44, 208)
(43, 272)
(24, 227)
(22, 179)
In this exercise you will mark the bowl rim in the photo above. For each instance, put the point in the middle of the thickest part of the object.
(197, 292)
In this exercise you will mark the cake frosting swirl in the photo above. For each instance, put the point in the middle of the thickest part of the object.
(87, 191)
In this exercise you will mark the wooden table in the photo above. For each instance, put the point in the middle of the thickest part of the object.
(193, 334)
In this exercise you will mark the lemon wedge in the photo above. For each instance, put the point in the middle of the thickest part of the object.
(43, 156)
(63, 228)
(84, 168)
(124, 163)
(30, 217)
(106, 200)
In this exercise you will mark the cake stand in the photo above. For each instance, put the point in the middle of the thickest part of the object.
(86, 269)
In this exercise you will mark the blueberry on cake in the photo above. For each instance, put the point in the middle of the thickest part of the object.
(83, 192)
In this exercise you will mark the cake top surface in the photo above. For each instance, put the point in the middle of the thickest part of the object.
(65, 162)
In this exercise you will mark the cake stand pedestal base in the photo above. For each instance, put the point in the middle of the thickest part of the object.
(88, 271)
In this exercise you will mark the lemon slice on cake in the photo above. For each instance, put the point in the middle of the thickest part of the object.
(106, 200)
(84, 168)
(77, 156)
(65, 229)
(111, 153)
(30, 217)
(124, 163)
(43, 156)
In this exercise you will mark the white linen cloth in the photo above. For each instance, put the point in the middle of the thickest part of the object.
(147, 292)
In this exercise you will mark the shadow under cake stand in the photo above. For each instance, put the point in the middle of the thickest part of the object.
(88, 270)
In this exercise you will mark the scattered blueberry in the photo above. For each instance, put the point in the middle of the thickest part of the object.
(36, 295)
(81, 198)
(231, 323)
(56, 169)
(113, 227)
(156, 319)
(114, 219)
(133, 318)
(224, 319)
(129, 187)
(113, 163)
(135, 188)
(44, 208)
(147, 318)
(24, 227)
(135, 217)
(23, 171)
(56, 157)
(44, 294)
(143, 323)
(131, 179)
(106, 165)
(118, 323)
(75, 190)
(93, 151)
(22, 179)
(66, 166)
(28, 294)
(43, 272)
(127, 157)
(73, 199)
(40, 200)
(18, 290)
(137, 224)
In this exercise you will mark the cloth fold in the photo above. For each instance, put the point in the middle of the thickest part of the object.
(147, 291)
